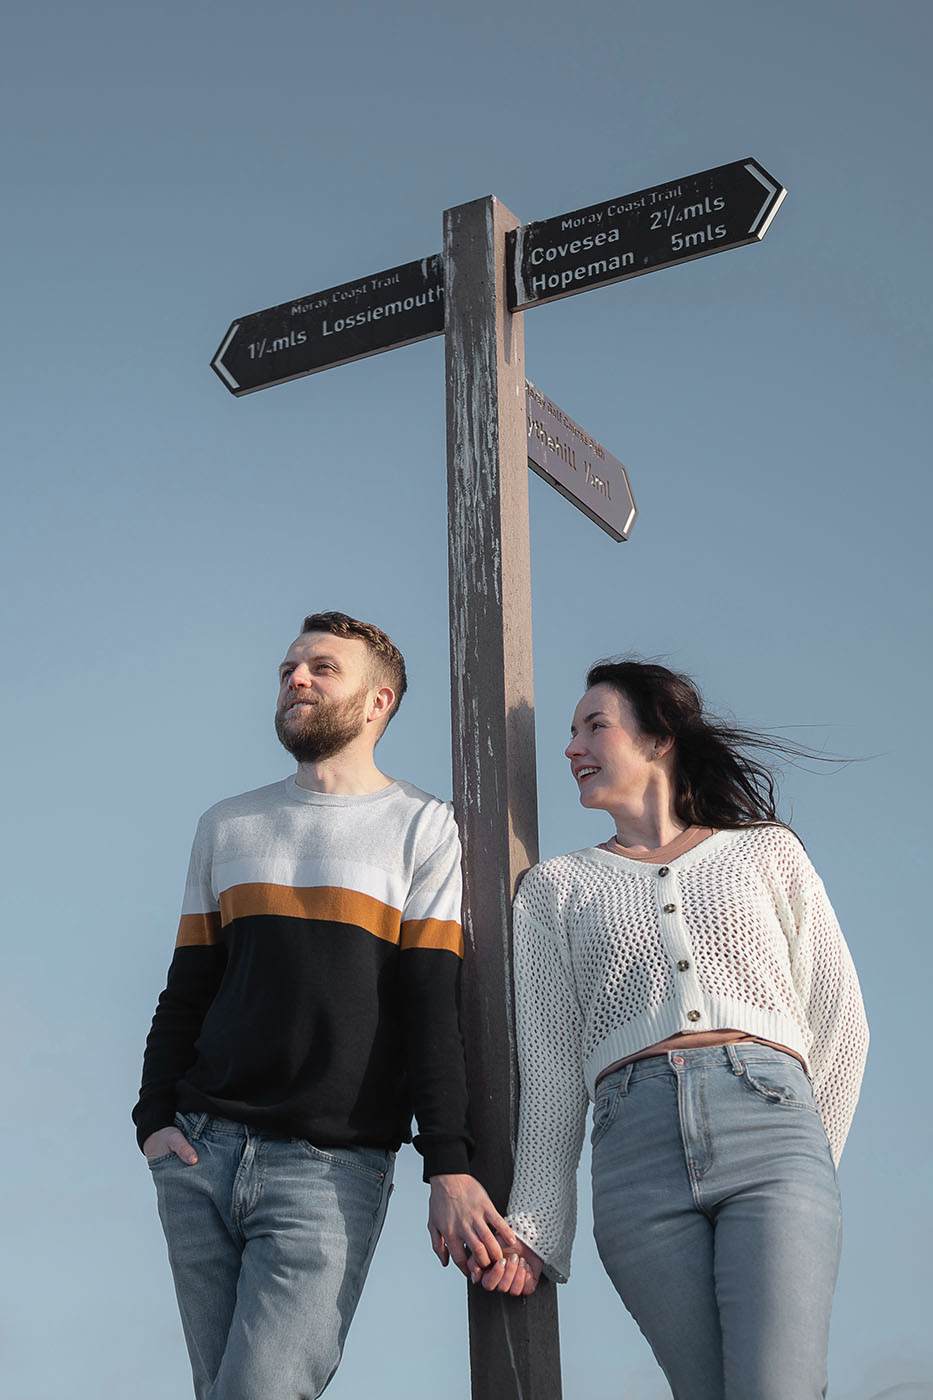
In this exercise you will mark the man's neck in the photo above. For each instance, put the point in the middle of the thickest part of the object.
(353, 775)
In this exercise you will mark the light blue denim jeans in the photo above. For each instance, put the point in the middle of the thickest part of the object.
(716, 1215)
(270, 1240)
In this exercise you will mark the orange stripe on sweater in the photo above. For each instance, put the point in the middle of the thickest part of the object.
(325, 902)
(433, 933)
(198, 930)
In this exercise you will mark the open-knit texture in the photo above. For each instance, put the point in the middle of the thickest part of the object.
(613, 955)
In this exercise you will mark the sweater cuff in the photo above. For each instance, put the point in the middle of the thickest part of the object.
(447, 1157)
(151, 1115)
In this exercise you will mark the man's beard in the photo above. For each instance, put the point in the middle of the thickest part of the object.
(323, 729)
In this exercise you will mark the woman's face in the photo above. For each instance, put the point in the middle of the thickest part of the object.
(612, 761)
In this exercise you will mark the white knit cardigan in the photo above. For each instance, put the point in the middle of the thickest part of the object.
(613, 955)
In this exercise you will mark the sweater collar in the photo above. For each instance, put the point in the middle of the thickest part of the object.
(711, 846)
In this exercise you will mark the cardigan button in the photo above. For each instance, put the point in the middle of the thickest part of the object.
(669, 908)
(665, 870)
(683, 965)
(693, 1015)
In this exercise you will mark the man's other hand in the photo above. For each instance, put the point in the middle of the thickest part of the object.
(463, 1224)
(166, 1140)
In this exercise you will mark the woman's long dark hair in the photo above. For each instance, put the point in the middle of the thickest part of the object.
(717, 781)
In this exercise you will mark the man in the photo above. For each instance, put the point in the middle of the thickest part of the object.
(311, 1005)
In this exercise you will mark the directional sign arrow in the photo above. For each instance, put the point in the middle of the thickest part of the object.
(579, 467)
(637, 233)
(344, 323)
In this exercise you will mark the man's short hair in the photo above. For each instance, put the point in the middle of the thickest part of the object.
(388, 663)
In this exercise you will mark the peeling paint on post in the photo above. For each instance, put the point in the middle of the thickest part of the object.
(514, 1348)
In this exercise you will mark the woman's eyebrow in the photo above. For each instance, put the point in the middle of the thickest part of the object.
(587, 718)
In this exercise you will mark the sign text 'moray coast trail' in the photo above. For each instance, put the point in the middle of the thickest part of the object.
(636, 233)
(349, 322)
(579, 467)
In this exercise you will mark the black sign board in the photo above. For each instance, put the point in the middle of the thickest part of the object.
(624, 237)
(581, 469)
(332, 327)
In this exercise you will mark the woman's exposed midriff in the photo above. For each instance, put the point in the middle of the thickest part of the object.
(696, 1040)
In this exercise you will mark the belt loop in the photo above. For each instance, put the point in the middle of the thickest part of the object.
(624, 1081)
(198, 1126)
(738, 1065)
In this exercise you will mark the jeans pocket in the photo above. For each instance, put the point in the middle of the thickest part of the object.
(157, 1161)
(370, 1161)
(605, 1109)
(779, 1082)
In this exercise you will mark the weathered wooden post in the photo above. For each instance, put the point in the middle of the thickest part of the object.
(514, 1347)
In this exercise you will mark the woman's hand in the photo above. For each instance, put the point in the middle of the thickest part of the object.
(517, 1273)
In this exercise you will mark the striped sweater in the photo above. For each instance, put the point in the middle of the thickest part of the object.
(314, 987)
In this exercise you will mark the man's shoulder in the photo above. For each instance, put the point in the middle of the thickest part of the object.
(430, 818)
(417, 798)
(244, 804)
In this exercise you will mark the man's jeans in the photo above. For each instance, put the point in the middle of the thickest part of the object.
(717, 1217)
(270, 1240)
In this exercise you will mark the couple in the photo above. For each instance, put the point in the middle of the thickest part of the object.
(688, 976)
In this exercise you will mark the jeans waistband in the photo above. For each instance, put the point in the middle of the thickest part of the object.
(197, 1124)
(734, 1057)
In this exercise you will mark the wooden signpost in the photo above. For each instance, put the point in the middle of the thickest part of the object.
(498, 425)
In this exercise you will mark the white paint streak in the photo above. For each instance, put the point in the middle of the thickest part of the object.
(519, 1390)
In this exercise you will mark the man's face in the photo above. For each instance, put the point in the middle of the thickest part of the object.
(325, 686)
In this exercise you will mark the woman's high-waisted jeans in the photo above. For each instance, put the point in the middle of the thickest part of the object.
(717, 1218)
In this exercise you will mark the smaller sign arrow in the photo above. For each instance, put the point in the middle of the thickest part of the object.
(580, 468)
(636, 233)
(333, 327)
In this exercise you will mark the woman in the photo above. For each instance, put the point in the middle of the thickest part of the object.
(689, 976)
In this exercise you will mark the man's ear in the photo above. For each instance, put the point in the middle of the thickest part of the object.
(381, 703)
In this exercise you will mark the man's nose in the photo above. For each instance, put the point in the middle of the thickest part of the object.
(300, 677)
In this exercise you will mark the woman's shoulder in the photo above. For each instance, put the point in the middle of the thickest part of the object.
(764, 836)
(770, 846)
(558, 873)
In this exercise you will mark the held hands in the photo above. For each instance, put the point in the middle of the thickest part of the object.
(166, 1140)
(465, 1226)
(516, 1274)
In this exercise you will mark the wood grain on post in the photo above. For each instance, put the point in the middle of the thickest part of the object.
(514, 1348)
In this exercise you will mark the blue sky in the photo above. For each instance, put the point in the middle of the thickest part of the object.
(173, 166)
